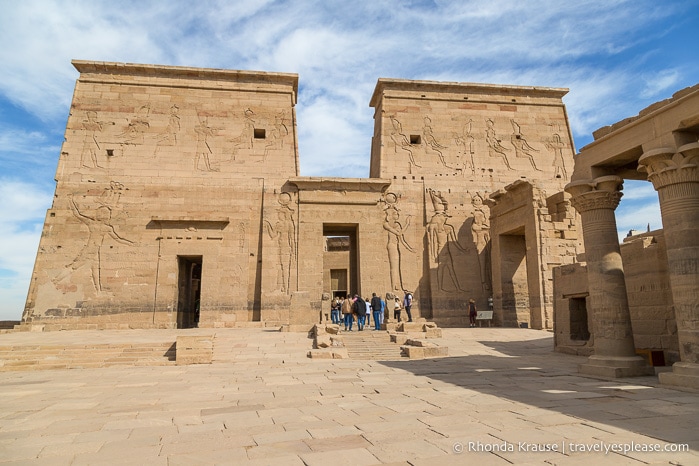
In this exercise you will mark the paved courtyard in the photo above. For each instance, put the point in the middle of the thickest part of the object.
(502, 397)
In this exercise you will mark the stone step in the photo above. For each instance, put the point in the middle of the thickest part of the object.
(42, 357)
(370, 345)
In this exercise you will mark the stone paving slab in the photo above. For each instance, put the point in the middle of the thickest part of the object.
(265, 402)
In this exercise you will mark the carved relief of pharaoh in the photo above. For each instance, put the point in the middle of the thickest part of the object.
(100, 226)
(442, 237)
(396, 239)
(91, 145)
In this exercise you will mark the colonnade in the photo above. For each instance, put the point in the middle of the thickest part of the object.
(674, 173)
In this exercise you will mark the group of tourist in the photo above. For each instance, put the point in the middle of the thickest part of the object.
(343, 310)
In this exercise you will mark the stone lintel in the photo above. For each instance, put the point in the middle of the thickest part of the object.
(117, 72)
(474, 91)
(366, 185)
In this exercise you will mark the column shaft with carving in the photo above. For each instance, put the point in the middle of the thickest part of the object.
(675, 175)
(615, 355)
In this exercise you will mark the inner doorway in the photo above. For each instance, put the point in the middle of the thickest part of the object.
(189, 290)
(340, 260)
(515, 287)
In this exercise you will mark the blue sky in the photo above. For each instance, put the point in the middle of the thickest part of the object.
(615, 56)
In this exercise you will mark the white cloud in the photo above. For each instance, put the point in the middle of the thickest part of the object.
(22, 215)
(601, 49)
(658, 82)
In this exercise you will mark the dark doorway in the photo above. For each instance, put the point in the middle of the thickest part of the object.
(341, 259)
(189, 286)
(578, 319)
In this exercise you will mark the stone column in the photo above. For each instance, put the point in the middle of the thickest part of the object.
(675, 176)
(615, 354)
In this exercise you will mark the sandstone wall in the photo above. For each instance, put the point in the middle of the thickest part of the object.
(160, 163)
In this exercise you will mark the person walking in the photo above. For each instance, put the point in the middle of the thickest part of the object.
(360, 310)
(376, 306)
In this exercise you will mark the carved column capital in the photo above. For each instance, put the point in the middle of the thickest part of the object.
(601, 193)
(666, 166)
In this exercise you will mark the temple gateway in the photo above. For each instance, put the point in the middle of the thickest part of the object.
(179, 203)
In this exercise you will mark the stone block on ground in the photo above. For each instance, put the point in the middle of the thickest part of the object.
(196, 349)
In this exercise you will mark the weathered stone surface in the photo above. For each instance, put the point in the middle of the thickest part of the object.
(179, 203)
(197, 349)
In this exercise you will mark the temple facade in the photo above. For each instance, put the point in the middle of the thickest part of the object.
(179, 203)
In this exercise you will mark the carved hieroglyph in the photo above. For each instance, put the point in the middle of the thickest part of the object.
(283, 232)
(396, 239)
(442, 237)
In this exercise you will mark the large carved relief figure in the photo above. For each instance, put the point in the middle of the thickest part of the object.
(100, 225)
(481, 238)
(442, 238)
(396, 239)
(283, 232)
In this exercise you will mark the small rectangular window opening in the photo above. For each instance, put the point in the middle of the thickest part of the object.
(414, 139)
(259, 133)
(110, 152)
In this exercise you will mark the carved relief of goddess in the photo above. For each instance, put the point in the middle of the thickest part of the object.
(284, 233)
(396, 241)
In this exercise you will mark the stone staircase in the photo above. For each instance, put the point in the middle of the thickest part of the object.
(371, 345)
(42, 357)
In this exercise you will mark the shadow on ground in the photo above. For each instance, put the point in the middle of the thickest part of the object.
(530, 372)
